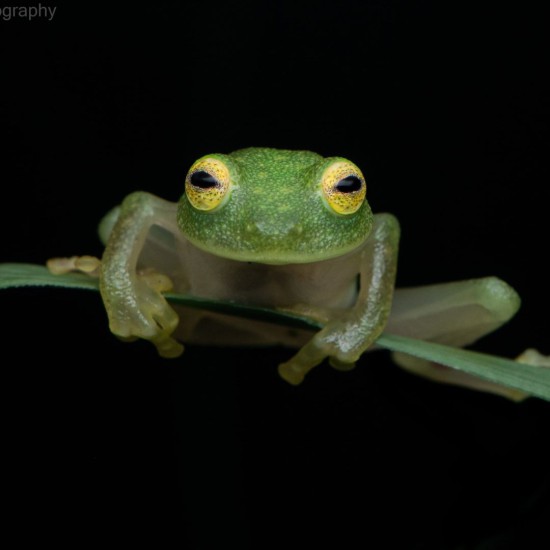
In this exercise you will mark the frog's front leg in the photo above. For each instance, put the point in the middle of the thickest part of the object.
(135, 307)
(345, 338)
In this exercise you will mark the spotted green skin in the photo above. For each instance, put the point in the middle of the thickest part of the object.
(275, 212)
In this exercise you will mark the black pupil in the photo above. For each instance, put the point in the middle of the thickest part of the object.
(203, 179)
(349, 184)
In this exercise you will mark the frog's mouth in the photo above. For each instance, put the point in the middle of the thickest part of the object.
(274, 252)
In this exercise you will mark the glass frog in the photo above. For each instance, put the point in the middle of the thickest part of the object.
(287, 230)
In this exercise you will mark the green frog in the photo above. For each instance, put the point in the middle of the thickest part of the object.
(288, 230)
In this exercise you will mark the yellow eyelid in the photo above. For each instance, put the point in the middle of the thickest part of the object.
(208, 198)
(339, 201)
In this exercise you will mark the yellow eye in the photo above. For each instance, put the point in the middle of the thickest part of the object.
(344, 187)
(207, 183)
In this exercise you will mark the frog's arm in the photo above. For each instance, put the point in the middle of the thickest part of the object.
(345, 338)
(135, 305)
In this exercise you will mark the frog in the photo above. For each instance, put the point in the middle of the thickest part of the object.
(288, 230)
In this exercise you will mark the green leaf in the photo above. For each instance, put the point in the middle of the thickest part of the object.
(18, 275)
(533, 380)
(528, 378)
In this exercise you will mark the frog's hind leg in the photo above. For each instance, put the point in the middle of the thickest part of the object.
(456, 314)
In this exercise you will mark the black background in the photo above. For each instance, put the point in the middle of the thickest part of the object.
(444, 109)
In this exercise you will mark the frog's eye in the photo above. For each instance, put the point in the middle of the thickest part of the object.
(207, 183)
(344, 187)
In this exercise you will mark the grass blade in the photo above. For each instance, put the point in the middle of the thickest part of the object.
(533, 380)
(20, 275)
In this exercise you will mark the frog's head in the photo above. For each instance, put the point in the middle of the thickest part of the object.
(275, 206)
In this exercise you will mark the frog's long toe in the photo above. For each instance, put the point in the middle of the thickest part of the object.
(291, 373)
(167, 347)
(308, 357)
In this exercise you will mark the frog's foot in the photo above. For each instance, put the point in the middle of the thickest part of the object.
(141, 311)
(447, 375)
(88, 265)
(147, 316)
(330, 343)
(166, 346)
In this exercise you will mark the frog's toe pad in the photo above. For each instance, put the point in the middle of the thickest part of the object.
(167, 347)
(341, 365)
(533, 357)
(291, 372)
(128, 339)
